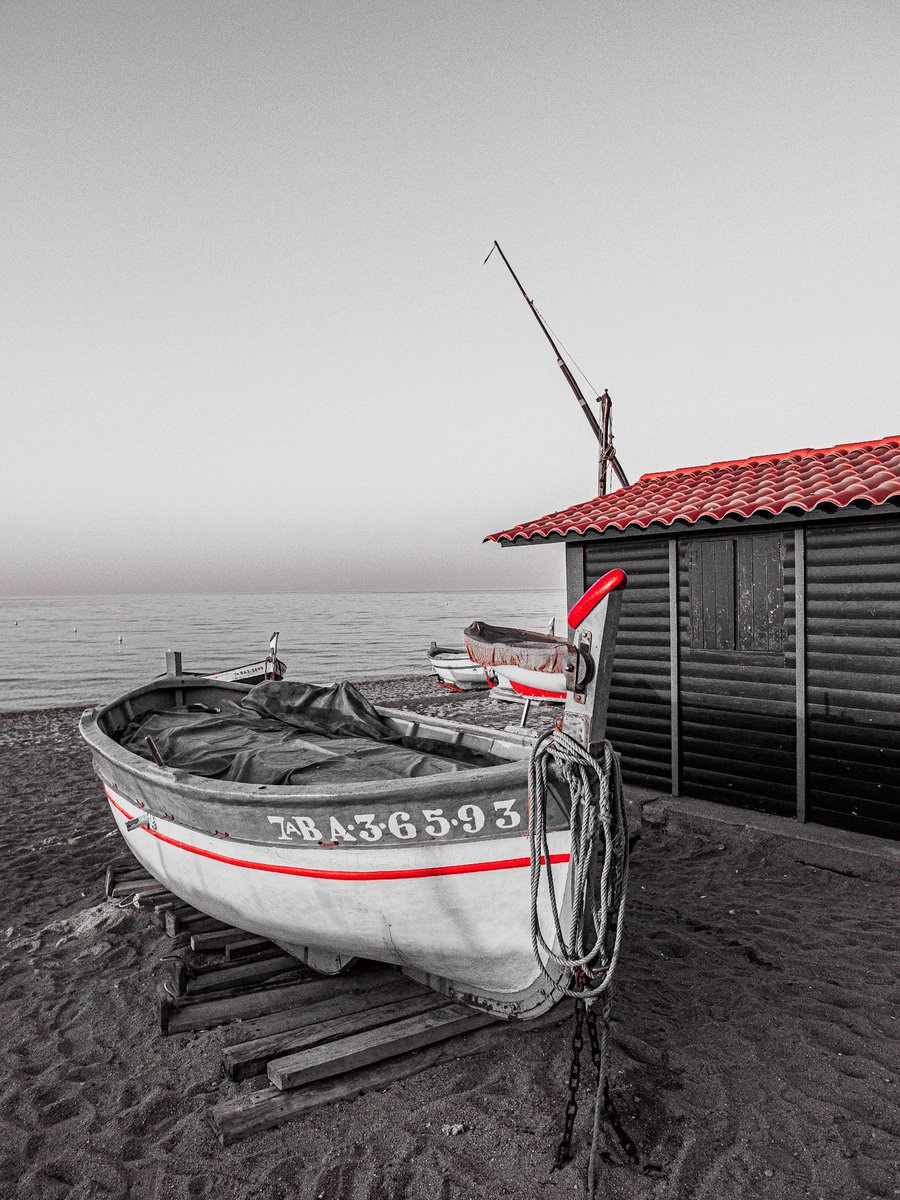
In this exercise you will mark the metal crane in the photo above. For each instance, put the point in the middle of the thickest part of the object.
(602, 429)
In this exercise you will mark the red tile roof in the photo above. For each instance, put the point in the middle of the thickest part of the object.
(799, 480)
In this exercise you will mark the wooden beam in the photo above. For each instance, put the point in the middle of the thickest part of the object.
(151, 899)
(674, 670)
(178, 1016)
(243, 974)
(116, 872)
(576, 583)
(374, 987)
(363, 1049)
(251, 1057)
(219, 939)
(166, 906)
(249, 945)
(136, 883)
(265, 1108)
(191, 920)
(800, 658)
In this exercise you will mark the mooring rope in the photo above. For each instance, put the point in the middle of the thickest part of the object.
(598, 869)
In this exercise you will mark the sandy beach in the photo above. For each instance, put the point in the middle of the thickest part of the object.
(756, 1034)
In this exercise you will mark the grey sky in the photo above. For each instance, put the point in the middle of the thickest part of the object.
(247, 338)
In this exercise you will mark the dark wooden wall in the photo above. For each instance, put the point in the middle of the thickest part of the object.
(741, 694)
(853, 676)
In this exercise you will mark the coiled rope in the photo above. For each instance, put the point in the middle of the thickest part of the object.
(598, 873)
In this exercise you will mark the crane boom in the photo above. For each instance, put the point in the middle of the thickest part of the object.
(601, 429)
(560, 361)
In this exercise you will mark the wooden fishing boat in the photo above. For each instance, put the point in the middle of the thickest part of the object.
(520, 664)
(270, 667)
(250, 673)
(452, 668)
(428, 870)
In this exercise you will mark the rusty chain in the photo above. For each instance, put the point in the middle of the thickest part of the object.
(564, 1150)
(612, 1113)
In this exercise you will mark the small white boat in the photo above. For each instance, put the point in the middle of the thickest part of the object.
(266, 808)
(455, 670)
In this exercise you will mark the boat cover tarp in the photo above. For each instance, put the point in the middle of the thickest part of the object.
(287, 733)
(495, 645)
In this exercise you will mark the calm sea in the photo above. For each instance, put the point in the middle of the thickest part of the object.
(63, 650)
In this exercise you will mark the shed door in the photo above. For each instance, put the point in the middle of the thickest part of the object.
(737, 670)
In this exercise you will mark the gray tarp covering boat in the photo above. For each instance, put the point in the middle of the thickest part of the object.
(289, 733)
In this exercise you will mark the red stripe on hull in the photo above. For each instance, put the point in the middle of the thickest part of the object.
(533, 693)
(503, 864)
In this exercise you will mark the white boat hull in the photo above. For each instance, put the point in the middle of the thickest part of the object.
(266, 668)
(415, 906)
(520, 684)
(429, 873)
(458, 671)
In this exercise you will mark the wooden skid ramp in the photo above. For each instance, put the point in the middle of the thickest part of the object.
(314, 1038)
(351, 1062)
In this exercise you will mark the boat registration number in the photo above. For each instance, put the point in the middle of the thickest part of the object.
(404, 826)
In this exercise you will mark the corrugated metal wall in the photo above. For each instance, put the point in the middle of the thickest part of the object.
(738, 708)
(639, 723)
(853, 676)
(737, 726)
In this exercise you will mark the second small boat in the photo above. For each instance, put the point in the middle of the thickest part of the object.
(520, 664)
(454, 669)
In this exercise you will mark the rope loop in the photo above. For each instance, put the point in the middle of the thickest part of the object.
(598, 863)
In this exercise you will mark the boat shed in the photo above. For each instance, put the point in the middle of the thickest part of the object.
(758, 659)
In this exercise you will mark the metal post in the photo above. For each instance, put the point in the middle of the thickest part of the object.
(576, 583)
(674, 672)
(605, 443)
(800, 658)
(173, 667)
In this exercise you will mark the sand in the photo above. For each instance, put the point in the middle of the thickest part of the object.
(756, 1037)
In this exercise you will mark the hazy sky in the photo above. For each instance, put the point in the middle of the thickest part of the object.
(247, 337)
